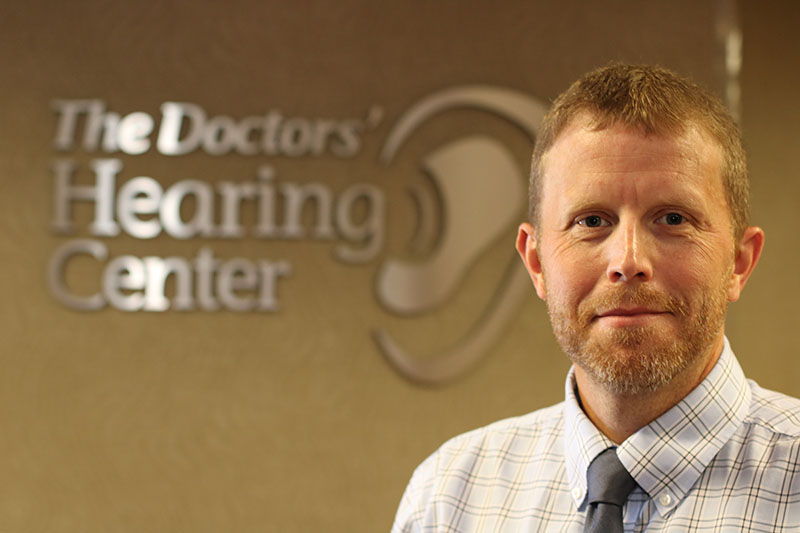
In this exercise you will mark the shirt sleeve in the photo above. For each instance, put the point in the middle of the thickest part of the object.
(413, 514)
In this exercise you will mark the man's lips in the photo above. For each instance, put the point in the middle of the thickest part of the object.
(631, 312)
(630, 315)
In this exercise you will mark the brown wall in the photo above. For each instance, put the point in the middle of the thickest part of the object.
(764, 323)
(293, 420)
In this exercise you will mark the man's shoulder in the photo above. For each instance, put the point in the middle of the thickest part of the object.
(495, 461)
(522, 435)
(533, 424)
(774, 412)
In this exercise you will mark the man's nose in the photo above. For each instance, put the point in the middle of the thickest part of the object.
(629, 254)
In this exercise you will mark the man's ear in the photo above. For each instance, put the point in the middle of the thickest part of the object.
(526, 247)
(747, 254)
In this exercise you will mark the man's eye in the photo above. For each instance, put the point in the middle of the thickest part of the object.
(593, 221)
(672, 219)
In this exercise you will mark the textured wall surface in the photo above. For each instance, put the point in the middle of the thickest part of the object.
(764, 323)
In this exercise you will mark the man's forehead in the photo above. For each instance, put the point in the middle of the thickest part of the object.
(585, 141)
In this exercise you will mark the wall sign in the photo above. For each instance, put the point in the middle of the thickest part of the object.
(479, 189)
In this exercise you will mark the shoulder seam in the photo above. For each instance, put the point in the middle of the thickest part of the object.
(760, 422)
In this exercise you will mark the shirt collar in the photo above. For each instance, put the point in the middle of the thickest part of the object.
(667, 456)
(582, 441)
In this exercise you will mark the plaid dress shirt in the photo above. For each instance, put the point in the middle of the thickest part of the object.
(725, 458)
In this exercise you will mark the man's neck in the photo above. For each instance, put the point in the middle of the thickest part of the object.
(618, 416)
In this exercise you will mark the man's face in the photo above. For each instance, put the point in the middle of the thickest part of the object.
(636, 253)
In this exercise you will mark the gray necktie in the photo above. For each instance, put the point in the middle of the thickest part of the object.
(609, 487)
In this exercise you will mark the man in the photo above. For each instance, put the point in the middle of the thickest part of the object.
(638, 239)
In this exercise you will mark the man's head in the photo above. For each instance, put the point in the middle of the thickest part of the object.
(658, 101)
(633, 247)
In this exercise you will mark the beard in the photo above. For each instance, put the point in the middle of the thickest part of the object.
(643, 358)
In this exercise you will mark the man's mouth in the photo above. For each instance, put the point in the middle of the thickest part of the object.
(632, 311)
(629, 316)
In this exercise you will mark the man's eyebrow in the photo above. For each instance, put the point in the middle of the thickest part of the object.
(587, 204)
(687, 200)
(694, 201)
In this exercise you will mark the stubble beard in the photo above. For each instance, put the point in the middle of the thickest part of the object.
(639, 359)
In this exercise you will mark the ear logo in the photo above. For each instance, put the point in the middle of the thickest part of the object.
(482, 190)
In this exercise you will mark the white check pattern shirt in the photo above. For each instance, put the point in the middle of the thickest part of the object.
(726, 458)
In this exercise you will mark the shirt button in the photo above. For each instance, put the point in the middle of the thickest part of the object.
(577, 493)
(665, 499)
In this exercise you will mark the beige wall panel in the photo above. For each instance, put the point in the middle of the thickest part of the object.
(765, 322)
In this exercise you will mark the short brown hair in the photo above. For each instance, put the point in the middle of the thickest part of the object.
(660, 102)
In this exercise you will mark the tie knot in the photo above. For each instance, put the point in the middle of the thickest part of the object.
(608, 480)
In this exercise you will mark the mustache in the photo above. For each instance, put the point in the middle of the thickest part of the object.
(638, 296)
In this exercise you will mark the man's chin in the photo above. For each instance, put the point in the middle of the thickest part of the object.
(640, 340)
(632, 360)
